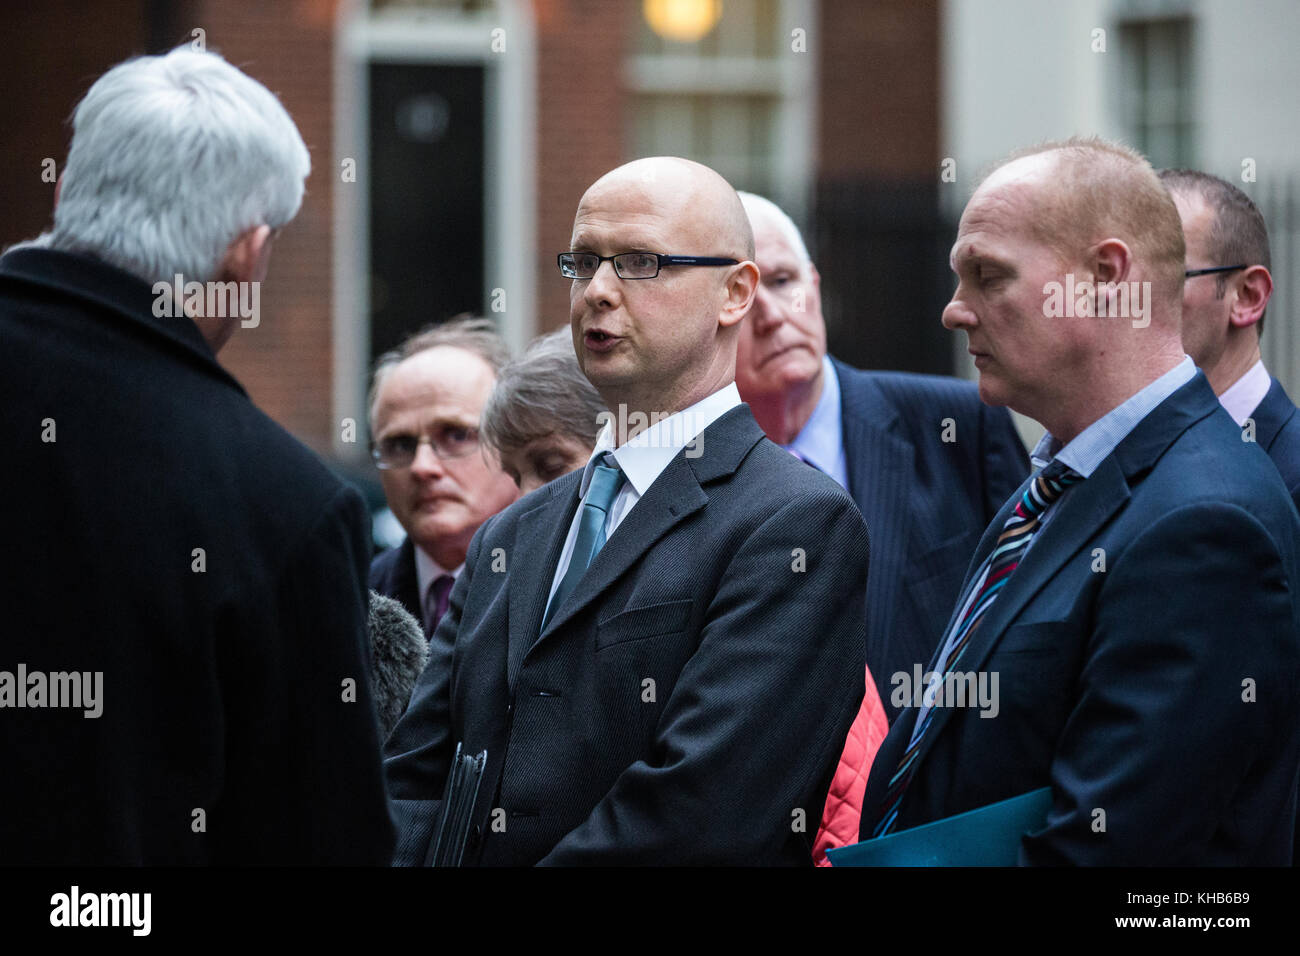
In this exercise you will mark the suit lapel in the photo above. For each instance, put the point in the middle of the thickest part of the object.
(671, 498)
(880, 469)
(1083, 512)
(539, 539)
(405, 582)
(1272, 415)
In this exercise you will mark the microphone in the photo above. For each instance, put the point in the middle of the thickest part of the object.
(398, 652)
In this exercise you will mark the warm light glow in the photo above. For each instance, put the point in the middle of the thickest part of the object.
(682, 20)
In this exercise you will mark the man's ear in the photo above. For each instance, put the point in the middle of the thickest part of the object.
(741, 286)
(1251, 294)
(248, 257)
(1111, 261)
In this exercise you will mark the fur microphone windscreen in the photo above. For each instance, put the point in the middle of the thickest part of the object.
(398, 652)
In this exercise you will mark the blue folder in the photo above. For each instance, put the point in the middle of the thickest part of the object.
(988, 836)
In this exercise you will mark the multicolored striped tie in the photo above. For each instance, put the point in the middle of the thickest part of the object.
(1019, 530)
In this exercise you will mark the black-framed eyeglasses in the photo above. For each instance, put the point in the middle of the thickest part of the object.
(1192, 273)
(631, 265)
(447, 442)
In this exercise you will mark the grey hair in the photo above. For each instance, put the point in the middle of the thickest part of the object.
(173, 157)
(540, 393)
(756, 205)
(465, 331)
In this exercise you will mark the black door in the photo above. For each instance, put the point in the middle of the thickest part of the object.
(426, 197)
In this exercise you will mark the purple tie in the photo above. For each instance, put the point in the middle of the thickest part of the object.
(441, 591)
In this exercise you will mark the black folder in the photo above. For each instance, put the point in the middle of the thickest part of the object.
(451, 832)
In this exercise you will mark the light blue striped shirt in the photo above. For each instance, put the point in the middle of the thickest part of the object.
(1092, 445)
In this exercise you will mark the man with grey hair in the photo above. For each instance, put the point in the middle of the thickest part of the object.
(190, 576)
(543, 417)
(927, 463)
(1225, 295)
(426, 402)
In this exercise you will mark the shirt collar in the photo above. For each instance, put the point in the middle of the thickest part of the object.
(644, 457)
(427, 571)
(1244, 395)
(1092, 445)
(819, 441)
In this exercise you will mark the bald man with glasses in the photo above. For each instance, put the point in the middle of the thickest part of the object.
(661, 652)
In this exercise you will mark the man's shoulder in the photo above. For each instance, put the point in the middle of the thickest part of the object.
(274, 462)
(558, 493)
(770, 480)
(1277, 427)
(386, 564)
(1209, 464)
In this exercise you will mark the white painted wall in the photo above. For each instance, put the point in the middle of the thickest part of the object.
(1019, 71)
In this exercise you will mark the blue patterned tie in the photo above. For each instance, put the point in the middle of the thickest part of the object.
(1018, 530)
(606, 480)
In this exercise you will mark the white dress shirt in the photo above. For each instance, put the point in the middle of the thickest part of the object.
(642, 460)
(1244, 395)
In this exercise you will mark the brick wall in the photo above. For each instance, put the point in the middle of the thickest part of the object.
(285, 363)
(878, 122)
(580, 124)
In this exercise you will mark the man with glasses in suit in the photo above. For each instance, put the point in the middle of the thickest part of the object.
(1225, 295)
(659, 653)
(425, 404)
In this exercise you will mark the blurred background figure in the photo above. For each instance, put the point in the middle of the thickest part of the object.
(543, 416)
(426, 402)
(1225, 295)
(927, 463)
(925, 490)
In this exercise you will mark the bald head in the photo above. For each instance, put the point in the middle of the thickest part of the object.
(666, 341)
(698, 201)
(1086, 190)
(1069, 261)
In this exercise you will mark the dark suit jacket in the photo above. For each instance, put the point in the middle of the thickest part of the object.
(392, 574)
(1277, 430)
(1123, 688)
(222, 672)
(926, 501)
(688, 700)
